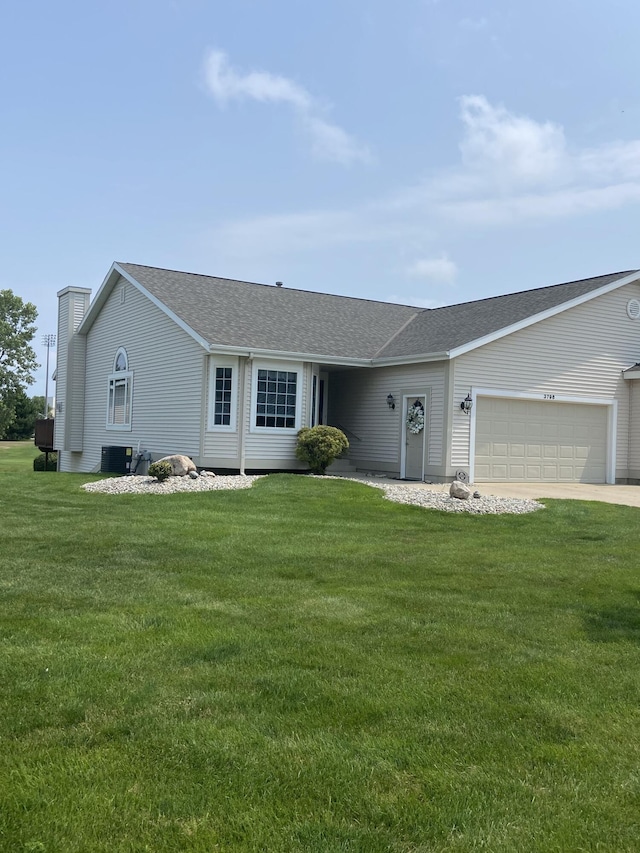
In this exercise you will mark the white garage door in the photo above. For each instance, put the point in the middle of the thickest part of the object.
(548, 441)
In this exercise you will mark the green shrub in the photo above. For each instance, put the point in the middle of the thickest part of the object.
(160, 470)
(40, 462)
(318, 446)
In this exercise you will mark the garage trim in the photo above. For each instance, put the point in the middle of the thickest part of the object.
(612, 421)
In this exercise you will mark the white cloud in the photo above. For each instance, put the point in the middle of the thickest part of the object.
(509, 146)
(513, 169)
(440, 270)
(225, 84)
(331, 142)
(328, 140)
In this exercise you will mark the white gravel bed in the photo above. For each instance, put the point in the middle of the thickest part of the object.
(134, 484)
(429, 498)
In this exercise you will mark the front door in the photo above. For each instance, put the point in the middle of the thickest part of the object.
(414, 427)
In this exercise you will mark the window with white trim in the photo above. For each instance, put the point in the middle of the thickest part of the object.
(276, 392)
(120, 393)
(223, 393)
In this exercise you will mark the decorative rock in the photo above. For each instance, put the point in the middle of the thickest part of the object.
(207, 474)
(427, 498)
(477, 495)
(460, 491)
(180, 465)
(194, 475)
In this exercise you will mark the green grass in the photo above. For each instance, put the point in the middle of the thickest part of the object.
(17, 456)
(305, 666)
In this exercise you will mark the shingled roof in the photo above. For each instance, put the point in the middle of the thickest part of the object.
(444, 329)
(231, 313)
(261, 316)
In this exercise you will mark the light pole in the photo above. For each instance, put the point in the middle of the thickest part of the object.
(48, 341)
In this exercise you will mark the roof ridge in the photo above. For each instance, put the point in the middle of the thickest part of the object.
(272, 286)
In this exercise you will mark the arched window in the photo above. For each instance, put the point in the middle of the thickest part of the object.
(120, 393)
(120, 362)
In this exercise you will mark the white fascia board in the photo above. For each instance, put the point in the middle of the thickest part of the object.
(107, 286)
(159, 304)
(410, 359)
(281, 355)
(543, 315)
(98, 301)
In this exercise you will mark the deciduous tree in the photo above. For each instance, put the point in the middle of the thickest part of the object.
(17, 358)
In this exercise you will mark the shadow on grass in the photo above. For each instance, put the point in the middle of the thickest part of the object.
(618, 623)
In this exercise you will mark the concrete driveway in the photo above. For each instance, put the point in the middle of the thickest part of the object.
(625, 495)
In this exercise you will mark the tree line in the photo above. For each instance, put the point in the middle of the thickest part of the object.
(18, 412)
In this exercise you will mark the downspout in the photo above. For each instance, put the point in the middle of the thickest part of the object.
(629, 429)
(241, 410)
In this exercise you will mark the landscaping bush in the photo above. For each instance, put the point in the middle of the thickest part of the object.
(160, 470)
(318, 446)
(40, 462)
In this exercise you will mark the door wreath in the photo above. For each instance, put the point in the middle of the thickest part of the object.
(415, 418)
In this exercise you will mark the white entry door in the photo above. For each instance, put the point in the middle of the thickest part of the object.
(414, 437)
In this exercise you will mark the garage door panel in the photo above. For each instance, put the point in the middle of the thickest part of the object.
(540, 441)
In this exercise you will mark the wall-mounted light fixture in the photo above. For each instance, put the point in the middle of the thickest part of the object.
(391, 401)
(467, 404)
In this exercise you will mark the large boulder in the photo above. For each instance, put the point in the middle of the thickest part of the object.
(180, 465)
(459, 490)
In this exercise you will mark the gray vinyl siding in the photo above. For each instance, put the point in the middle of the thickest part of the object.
(274, 449)
(75, 397)
(633, 432)
(70, 373)
(61, 372)
(358, 405)
(578, 353)
(167, 367)
(221, 448)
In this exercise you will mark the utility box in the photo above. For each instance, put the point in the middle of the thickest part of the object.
(116, 460)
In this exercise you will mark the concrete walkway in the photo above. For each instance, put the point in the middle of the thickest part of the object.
(624, 495)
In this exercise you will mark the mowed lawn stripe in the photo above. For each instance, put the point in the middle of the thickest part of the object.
(307, 666)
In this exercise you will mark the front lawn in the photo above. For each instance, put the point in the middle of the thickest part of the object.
(305, 666)
(17, 455)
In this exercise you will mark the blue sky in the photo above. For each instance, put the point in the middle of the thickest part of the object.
(422, 151)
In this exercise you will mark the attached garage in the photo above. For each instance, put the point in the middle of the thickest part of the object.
(540, 441)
